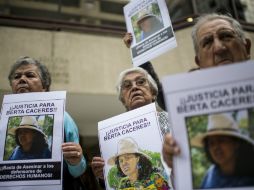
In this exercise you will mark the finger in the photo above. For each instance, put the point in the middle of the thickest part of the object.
(72, 148)
(72, 154)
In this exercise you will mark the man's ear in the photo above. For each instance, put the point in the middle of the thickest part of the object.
(197, 60)
(154, 98)
(248, 47)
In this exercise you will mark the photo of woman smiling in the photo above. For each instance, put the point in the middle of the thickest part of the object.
(135, 168)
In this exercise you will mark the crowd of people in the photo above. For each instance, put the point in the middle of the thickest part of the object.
(218, 40)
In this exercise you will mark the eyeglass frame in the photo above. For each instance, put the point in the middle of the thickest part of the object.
(139, 81)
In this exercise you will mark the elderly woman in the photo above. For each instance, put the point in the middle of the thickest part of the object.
(31, 141)
(135, 167)
(230, 151)
(136, 88)
(29, 75)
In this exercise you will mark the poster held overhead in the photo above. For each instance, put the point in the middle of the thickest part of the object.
(151, 28)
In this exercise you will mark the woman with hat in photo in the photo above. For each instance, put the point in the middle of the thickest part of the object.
(31, 140)
(148, 24)
(135, 168)
(230, 151)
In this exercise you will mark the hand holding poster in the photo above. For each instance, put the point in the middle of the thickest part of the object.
(131, 145)
(212, 117)
(31, 133)
(149, 23)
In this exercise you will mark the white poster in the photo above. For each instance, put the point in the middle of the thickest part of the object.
(31, 134)
(131, 145)
(149, 23)
(212, 114)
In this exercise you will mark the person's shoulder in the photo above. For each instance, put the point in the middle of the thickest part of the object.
(15, 153)
(163, 116)
(162, 112)
(67, 115)
(68, 119)
(212, 170)
(46, 153)
(70, 129)
(17, 149)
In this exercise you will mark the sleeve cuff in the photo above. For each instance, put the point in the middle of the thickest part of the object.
(79, 169)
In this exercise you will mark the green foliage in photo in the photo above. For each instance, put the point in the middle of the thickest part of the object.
(199, 163)
(114, 179)
(46, 123)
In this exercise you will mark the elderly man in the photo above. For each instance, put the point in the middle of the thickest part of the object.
(136, 88)
(218, 40)
(29, 75)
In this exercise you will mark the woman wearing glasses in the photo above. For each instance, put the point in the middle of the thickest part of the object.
(135, 88)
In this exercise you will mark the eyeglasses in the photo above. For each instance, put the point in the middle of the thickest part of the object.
(127, 84)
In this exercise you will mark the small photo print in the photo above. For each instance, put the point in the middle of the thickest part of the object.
(222, 149)
(136, 168)
(147, 22)
(29, 137)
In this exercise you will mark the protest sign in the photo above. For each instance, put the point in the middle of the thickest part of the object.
(31, 134)
(149, 23)
(209, 106)
(131, 145)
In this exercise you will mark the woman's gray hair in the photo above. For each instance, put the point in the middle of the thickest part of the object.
(213, 16)
(43, 70)
(122, 75)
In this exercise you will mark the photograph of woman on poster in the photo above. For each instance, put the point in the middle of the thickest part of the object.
(135, 168)
(30, 139)
(230, 151)
(147, 22)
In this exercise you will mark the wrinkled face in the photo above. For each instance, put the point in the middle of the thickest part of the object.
(219, 44)
(25, 137)
(136, 91)
(128, 164)
(27, 79)
(222, 149)
(146, 24)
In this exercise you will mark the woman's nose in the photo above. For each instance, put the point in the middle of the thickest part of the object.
(22, 79)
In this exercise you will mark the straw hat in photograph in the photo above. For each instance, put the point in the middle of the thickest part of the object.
(143, 15)
(27, 122)
(126, 146)
(220, 124)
